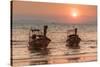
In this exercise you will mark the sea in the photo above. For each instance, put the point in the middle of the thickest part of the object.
(57, 52)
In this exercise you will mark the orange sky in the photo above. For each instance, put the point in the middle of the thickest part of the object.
(85, 12)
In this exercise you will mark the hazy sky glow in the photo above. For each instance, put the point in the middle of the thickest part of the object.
(63, 13)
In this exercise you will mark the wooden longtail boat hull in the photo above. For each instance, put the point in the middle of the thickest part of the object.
(39, 43)
(73, 42)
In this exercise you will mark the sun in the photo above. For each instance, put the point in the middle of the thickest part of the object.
(74, 14)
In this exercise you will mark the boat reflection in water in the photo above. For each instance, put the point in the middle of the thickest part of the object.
(74, 55)
(47, 57)
(39, 56)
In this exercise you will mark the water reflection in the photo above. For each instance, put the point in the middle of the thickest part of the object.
(39, 56)
(73, 53)
(73, 59)
(46, 56)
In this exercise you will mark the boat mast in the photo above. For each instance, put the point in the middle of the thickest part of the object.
(45, 30)
(75, 31)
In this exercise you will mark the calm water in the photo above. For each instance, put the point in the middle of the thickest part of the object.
(56, 52)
